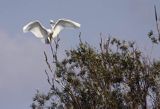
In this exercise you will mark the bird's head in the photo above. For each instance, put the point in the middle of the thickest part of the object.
(52, 22)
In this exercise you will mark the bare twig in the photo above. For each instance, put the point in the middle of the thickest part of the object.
(156, 18)
(48, 79)
(46, 59)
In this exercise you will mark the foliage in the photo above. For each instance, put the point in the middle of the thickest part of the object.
(117, 76)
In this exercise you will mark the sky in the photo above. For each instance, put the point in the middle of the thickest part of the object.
(22, 62)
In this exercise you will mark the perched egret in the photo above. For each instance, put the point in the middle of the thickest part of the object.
(46, 35)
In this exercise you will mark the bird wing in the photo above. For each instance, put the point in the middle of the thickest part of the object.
(63, 23)
(36, 28)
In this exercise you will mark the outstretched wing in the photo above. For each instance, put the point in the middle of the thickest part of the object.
(63, 23)
(36, 28)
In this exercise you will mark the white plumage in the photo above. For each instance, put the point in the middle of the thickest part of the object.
(46, 35)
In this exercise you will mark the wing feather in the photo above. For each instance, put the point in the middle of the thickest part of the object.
(63, 23)
(36, 28)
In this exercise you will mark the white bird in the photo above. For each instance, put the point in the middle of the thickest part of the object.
(46, 35)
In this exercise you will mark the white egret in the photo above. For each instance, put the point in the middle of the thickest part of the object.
(46, 35)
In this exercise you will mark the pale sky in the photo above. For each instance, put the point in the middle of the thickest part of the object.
(22, 62)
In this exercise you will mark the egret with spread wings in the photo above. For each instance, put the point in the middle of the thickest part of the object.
(46, 35)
